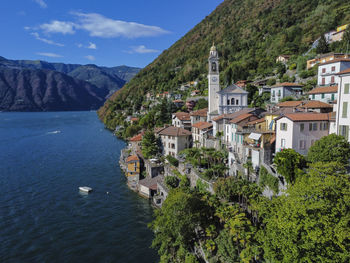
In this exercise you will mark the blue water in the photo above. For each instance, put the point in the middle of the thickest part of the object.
(44, 158)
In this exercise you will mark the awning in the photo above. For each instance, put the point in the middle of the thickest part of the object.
(254, 136)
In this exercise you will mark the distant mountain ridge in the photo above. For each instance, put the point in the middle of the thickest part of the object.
(35, 85)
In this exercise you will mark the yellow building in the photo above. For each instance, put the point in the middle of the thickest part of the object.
(133, 165)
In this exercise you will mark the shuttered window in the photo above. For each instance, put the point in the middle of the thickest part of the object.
(345, 110)
(346, 88)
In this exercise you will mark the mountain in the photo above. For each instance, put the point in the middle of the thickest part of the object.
(46, 90)
(102, 77)
(249, 35)
(35, 85)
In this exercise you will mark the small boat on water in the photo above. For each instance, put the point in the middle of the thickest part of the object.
(85, 189)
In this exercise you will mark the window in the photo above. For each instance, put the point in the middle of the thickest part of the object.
(323, 81)
(322, 96)
(325, 126)
(302, 144)
(283, 126)
(273, 93)
(283, 143)
(345, 110)
(346, 88)
(332, 79)
(313, 96)
(302, 127)
(232, 101)
(314, 126)
(279, 93)
(310, 126)
(333, 68)
(237, 102)
(228, 102)
(332, 98)
(344, 131)
(324, 70)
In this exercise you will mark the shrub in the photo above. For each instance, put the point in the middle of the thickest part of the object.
(172, 160)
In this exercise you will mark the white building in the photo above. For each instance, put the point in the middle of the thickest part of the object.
(299, 131)
(327, 72)
(200, 132)
(199, 115)
(343, 105)
(181, 120)
(228, 100)
(232, 99)
(285, 89)
(174, 140)
(324, 93)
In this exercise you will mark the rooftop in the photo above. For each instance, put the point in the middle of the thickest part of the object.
(233, 115)
(137, 138)
(132, 158)
(336, 61)
(256, 121)
(241, 118)
(174, 131)
(287, 84)
(289, 104)
(202, 125)
(307, 116)
(346, 71)
(233, 88)
(183, 116)
(201, 113)
(326, 89)
(151, 183)
(315, 104)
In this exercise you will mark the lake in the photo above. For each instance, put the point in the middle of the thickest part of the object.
(44, 158)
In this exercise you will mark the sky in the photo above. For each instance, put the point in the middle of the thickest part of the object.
(102, 32)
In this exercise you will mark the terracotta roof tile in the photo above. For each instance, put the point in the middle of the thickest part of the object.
(132, 158)
(183, 116)
(294, 103)
(335, 61)
(137, 137)
(231, 116)
(308, 116)
(256, 121)
(346, 71)
(174, 131)
(327, 89)
(202, 125)
(201, 113)
(315, 104)
(288, 84)
(241, 118)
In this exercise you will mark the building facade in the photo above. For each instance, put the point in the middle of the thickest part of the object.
(327, 72)
(283, 90)
(343, 105)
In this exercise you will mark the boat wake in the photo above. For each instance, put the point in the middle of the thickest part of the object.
(53, 132)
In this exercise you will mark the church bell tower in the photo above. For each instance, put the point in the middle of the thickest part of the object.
(213, 83)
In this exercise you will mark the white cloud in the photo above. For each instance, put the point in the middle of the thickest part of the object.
(48, 41)
(51, 55)
(41, 3)
(99, 26)
(27, 28)
(141, 50)
(89, 57)
(56, 26)
(92, 45)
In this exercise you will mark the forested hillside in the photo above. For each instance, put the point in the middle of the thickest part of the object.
(249, 35)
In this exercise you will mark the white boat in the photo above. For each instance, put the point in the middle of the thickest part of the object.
(85, 189)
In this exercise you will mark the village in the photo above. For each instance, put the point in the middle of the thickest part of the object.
(229, 138)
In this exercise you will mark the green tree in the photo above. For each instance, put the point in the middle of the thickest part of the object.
(175, 223)
(331, 148)
(171, 182)
(201, 104)
(149, 145)
(322, 46)
(311, 222)
(289, 164)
